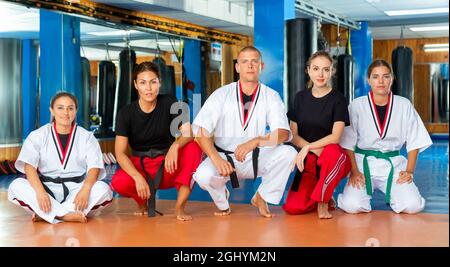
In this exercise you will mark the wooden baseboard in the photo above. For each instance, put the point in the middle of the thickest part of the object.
(437, 127)
(11, 153)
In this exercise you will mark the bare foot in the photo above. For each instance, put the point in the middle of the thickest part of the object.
(259, 202)
(227, 211)
(36, 218)
(332, 204)
(223, 212)
(181, 214)
(77, 216)
(141, 210)
(322, 211)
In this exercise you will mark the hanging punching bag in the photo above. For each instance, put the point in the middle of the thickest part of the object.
(345, 76)
(301, 43)
(322, 43)
(86, 92)
(125, 91)
(105, 95)
(166, 77)
(125, 86)
(170, 80)
(402, 65)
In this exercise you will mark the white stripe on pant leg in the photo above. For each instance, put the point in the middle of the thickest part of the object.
(332, 175)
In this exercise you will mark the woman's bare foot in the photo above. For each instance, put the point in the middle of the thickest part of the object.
(332, 204)
(181, 214)
(36, 218)
(322, 211)
(77, 216)
(259, 202)
(141, 210)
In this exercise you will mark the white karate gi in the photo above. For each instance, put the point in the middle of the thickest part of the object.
(43, 151)
(222, 115)
(402, 125)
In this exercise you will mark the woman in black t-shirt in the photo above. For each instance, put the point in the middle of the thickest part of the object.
(158, 161)
(317, 121)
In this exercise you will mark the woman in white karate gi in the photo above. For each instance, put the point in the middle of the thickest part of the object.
(62, 163)
(380, 124)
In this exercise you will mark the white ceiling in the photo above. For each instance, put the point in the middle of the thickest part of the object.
(383, 26)
(237, 15)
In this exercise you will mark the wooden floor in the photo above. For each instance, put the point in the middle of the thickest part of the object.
(117, 226)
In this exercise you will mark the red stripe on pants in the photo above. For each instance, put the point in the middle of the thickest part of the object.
(189, 157)
(334, 165)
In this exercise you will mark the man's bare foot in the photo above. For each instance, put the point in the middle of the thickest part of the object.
(227, 211)
(181, 214)
(322, 211)
(259, 202)
(141, 210)
(36, 218)
(223, 212)
(77, 216)
(332, 204)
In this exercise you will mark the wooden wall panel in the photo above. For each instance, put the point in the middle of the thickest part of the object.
(437, 127)
(422, 91)
(383, 49)
(107, 145)
(9, 153)
(329, 31)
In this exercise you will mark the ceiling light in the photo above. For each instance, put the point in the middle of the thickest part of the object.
(416, 11)
(112, 33)
(429, 28)
(435, 47)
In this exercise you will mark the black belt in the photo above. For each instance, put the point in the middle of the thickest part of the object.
(153, 183)
(59, 180)
(233, 176)
(298, 175)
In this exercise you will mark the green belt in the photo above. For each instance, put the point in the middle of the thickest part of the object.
(379, 155)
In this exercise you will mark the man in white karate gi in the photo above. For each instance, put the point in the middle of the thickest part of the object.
(240, 128)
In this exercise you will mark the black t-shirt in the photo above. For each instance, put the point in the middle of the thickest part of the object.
(315, 116)
(148, 130)
(247, 99)
(63, 138)
(381, 110)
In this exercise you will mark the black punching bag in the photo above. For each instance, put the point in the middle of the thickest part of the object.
(345, 76)
(105, 95)
(86, 92)
(443, 99)
(165, 88)
(170, 80)
(301, 43)
(125, 86)
(402, 65)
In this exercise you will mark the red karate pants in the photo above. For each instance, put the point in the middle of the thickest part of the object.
(334, 165)
(189, 157)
